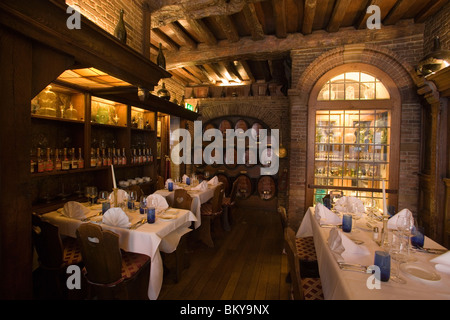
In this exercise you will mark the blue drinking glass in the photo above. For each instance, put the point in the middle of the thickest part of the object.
(105, 206)
(150, 215)
(347, 223)
(383, 261)
(188, 181)
(170, 186)
(418, 237)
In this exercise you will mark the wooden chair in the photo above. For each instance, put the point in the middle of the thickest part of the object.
(302, 288)
(160, 183)
(209, 212)
(182, 200)
(228, 203)
(111, 272)
(55, 254)
(304, 247)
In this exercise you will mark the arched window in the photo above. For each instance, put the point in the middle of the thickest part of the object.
(353, 135)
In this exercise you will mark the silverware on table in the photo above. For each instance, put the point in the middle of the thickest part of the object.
(430, 250)
(90, 217)
(352, 267)
(138, 224)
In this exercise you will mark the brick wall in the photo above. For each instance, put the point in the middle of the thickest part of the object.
(439, 25)
(106, 15)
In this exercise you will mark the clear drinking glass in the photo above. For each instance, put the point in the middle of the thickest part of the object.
(132, 200)
(398, 252)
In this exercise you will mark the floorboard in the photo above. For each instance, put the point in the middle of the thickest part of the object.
(246, 263)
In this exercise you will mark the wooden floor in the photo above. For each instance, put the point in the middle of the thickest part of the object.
(246, 263)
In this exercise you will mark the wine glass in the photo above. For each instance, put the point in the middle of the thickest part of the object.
(398, 253)
(132, 200)
(405, 224)
(87, 192)
(94, 193)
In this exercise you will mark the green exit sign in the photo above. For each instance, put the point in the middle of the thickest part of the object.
(189, 107)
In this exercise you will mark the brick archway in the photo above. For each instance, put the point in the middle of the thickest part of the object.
(401, 73)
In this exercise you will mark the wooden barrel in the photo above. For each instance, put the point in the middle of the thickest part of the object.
(256, 133)
(251, 154)
(241, 124)
(226, 183)
(207, 127)
(224, 125)
(234, 163)
(244, 186)
(267, 188)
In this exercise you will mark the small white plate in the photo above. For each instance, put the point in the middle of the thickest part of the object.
(420, 271)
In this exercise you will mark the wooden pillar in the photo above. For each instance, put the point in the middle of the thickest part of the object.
(15, 204)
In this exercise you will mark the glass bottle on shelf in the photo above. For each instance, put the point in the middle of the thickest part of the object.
(58, 162)
(124, 157)
(49, 102)
(114, 157)
(32, 162)
(80, 159)
(49, 161)
(74, 160)
(93, 158)
(99, 158)
(40, 161)
(104, 158)
(109, 157)
(119, 158)
(65, 164)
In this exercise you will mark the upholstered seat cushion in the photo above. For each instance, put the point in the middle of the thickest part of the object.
(72, 251)
(132, 263)
(305, 249)
(312, 289)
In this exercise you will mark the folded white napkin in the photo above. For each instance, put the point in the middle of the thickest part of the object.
(214, 181)
(75, 210)
(158, 201)
(349, 205)
(442, 262)
(324, 216)
(201, 186)
(343, 247)
(116, 217)
(392, 222)
(122, 196)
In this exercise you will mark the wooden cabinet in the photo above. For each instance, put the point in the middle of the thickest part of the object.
(100, 132)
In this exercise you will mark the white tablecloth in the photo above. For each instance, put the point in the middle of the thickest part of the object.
(198, 197)
(348, 285)
(145, 240)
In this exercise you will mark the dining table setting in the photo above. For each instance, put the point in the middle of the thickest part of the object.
(146, 230)
(365, 254)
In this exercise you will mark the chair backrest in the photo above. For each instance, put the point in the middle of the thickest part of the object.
(294, 264)
(283, 217)
(47, 242)
(137, 189)
(182, 200)
(101, 254)
(216, 201)
(160, 183)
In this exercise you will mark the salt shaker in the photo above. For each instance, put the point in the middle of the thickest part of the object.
(375, 234)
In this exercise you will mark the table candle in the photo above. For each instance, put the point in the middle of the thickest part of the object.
(385, 212)
(113, 177)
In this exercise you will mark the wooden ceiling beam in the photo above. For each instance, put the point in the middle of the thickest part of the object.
(361, 22)
(397, 13)
(196, 72)
(309, 15)
(182, 35)
(339, 11)
(213, 72)
(232, 70)
(165, 40)
(254, 25)
(279, 11)
(207, 75)
(430, 10)
(189, 76)
(202, 31)
(228, 27)
(272, 47)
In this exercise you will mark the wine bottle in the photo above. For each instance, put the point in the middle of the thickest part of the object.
(120, 32)
(124, 157)
(73, 161)
(93, 158)
(40, 161)
(65, 163)
(58, 163)
(80, 159)
(49, 162)
(160, 59)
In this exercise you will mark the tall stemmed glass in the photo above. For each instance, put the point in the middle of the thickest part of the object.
(133, 199)
(398, 253)
(405, 225)
(87, 192)
(94, 194)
